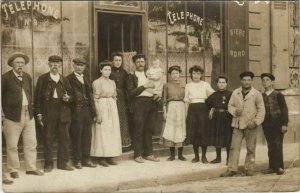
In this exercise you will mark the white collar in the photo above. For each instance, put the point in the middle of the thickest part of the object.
(78, 75)
(17, 75)
(54, 77)
(269, 92)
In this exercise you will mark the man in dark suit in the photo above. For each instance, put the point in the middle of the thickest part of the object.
(82, 115)
(17, 116)
(53, 95)
(144, 106)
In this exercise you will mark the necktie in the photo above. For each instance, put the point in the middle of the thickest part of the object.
(20, 78)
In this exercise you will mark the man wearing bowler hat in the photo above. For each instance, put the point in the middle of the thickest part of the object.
(275, 123)
(143, 105)
(53, 95)
(17, 115)
(82, 115)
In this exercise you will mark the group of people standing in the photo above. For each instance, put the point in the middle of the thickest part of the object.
(119, 109)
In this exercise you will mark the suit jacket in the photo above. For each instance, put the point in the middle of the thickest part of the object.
(252, 106)
(43, 97)
(77, 93)
(133, 90)
(12, 96)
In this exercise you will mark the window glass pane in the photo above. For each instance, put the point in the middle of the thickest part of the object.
(157, 33)
(46, 34)
(195, 34)
(75, 33)
(176, 35)
(212, 34)
(16, 33)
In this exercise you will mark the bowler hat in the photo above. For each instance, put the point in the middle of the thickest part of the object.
(80, 61)
(271, 76)
(16, 55)
(137, 56)
(55, 58)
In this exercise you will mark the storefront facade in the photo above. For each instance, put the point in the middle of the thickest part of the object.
(222, 37)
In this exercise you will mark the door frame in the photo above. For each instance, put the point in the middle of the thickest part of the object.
(94, 39)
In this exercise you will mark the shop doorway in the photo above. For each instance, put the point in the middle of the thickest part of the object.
(119, 33)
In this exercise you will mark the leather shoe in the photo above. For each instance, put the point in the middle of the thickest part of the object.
(249, 173)
(7, 181)
(48, 169)
(182, 158)
(204, 160)
(89, 164)
(67, 168)
(103, 163)
(14, 175)
(269, 171)
(139, 159)
(110, 161)
(78, 165)
(215, 161)
(152, 158)
(280, 171)
(228, 174)
(171, 158)
(35, 172)
(195, 160)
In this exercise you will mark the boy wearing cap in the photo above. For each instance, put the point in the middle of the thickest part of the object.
(82, 115)
(53, 95)
(246, 105)
(17, 116)
(275, 124)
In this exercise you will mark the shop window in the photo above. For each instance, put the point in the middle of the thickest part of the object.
(75, 34)
(191, 32)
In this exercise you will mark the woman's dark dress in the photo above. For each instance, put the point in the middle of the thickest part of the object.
(119, 75)
(220, 125)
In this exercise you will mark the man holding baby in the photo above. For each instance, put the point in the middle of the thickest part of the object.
(143, 100)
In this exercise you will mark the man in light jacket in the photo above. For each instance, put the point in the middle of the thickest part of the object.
(246, 105)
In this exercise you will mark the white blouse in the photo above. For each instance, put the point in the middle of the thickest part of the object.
(197, 92)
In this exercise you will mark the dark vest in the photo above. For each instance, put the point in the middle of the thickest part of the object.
(12, 96)
(271, 104)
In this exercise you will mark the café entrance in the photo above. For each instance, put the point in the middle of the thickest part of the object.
(118, 32)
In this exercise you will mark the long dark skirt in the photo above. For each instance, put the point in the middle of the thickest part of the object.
(197, 125)
(220, 128)
(123, 117)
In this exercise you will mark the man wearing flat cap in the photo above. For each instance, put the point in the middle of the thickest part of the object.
(17, 115)
(82, 115)
(247, 108)
(53, 95)
(143, 106)
(275, 123)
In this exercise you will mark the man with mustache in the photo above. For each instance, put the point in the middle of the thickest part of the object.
(53, 95)
(17, 116)
(143, 105)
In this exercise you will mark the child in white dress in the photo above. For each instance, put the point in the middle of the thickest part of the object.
(155, 74)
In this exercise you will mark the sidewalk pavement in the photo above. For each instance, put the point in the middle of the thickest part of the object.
(129, 174)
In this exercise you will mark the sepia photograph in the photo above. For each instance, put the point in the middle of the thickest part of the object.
(150, 96)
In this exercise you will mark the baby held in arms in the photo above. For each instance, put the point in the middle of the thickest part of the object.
(155, 74)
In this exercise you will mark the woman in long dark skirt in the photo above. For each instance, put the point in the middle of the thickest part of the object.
(119, 75)
(220, 118)
(196, 93)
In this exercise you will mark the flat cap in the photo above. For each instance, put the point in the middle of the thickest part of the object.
(137, 56)
(55, 58)
(246, 73)
(16, 55)
(80, 61)
(271, 76)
